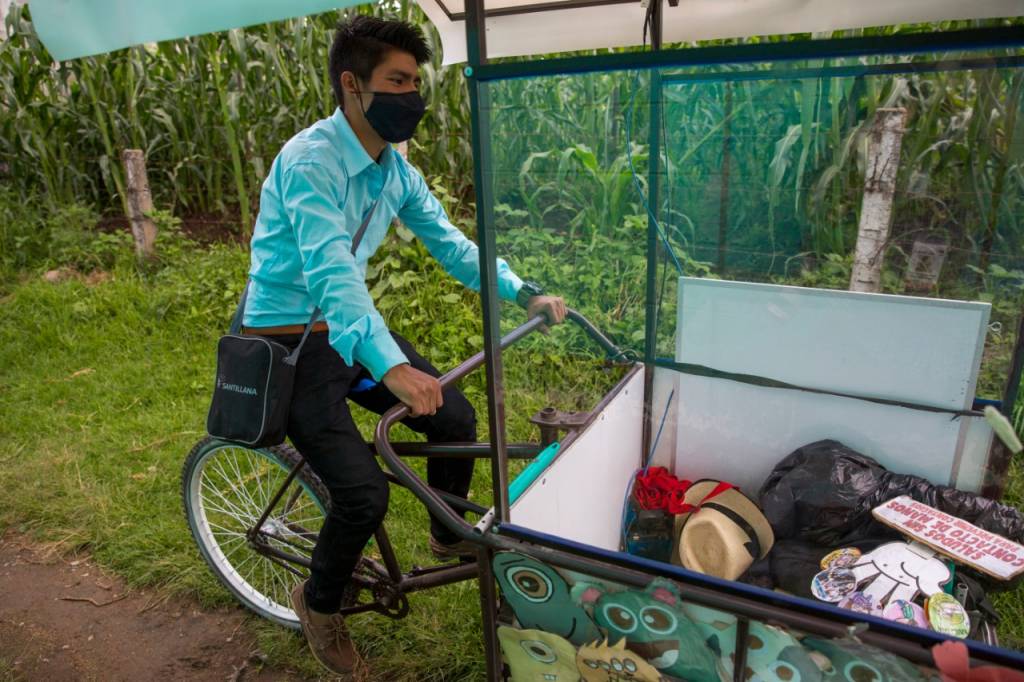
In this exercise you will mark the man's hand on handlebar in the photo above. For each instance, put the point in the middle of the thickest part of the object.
(552, 307)
(417, 390)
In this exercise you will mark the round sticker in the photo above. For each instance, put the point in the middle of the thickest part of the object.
(834, 584)
(946, 615)
(840, 558)
(906, 612)
(859, 602)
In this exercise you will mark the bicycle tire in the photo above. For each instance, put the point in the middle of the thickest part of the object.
(240, 482)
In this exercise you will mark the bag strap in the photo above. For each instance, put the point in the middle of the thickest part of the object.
(236, 321)
(293, 357)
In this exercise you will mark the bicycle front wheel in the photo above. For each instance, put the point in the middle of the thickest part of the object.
(225, 489)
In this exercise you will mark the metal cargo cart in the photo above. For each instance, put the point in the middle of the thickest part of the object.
(670, 190)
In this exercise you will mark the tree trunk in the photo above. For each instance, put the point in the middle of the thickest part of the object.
(879, 189)
(140, 203)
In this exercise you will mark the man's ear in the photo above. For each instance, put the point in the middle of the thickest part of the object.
(348, 82)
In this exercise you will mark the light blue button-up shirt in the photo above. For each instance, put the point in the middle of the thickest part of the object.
(320, 188)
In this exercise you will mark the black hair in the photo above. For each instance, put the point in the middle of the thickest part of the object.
(361, 43)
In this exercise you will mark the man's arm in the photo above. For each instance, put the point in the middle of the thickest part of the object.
(423, 214)
(357, 331)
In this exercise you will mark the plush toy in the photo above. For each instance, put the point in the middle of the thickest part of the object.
(598, 662)
(654, 627)
(539, 596)
(773, 655)
(850, 661)
(537, 656)
(897, 570)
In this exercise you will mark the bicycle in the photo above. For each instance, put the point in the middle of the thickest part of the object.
(255, 513)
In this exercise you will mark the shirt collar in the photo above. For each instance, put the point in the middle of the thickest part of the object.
(353, 155)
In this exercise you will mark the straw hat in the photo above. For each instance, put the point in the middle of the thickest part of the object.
(725, 535)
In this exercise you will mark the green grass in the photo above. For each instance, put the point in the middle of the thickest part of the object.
(8, 673)
(104, 389)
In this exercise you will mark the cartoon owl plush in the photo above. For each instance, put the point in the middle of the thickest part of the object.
(655, 627)
(539, 596)
(598, 662)
(537, 656)
(850, 661)
(773, 655)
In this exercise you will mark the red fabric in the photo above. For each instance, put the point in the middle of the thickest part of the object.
(656, 488)
(952, 661)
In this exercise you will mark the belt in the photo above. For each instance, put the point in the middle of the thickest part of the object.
(320, 326)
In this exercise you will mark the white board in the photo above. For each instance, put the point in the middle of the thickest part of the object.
(580, 495)
(897, 347)
(961, 541)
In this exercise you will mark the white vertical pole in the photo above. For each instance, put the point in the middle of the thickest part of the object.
(883, 161)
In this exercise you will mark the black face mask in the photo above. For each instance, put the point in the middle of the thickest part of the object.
(395, 115)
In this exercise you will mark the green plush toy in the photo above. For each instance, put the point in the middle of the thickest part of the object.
(598, 662)
(851, 661)
(773, 655)
(654, 627)
(539, 596)
(538, 656)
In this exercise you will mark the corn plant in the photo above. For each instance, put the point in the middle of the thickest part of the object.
(210, 112)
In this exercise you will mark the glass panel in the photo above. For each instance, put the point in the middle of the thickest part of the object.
(895, 175)
(773, 173)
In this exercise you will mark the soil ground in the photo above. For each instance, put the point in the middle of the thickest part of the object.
(62, 618)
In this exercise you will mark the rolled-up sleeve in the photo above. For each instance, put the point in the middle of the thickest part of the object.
(311, 196)
(423, 214)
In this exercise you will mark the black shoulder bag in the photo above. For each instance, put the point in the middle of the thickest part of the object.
(255, 374)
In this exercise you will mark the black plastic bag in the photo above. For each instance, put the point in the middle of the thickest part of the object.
(823, 493)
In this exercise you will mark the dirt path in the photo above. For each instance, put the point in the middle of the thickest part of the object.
(65, 619)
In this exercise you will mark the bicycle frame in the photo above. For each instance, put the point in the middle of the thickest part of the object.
(385, 578)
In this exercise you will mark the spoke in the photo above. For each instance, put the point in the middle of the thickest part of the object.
(230, 510)
(303, 521)
(285, 592)
(268, 581)
(223, 474)
(235, 514)
(226, 481)
(237, 510)
(288, 543)
(233, 545)
(239, 486)
(244, 490)
(224, 530)
(210, 506)
(233, 477)
(272, 484)
(245, 562)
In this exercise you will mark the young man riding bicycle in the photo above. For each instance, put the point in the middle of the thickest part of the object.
(325, 207)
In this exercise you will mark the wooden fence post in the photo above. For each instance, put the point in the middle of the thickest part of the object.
(883, 161)
(140, 202)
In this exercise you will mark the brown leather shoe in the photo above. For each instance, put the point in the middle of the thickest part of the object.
(463, 549)
(328, 638)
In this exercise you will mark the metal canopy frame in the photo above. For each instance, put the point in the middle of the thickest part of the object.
(531, 9)
(616, 566)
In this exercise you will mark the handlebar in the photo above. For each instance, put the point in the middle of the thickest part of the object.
(408, 477)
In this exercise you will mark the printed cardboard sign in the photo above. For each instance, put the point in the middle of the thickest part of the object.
(961, 541)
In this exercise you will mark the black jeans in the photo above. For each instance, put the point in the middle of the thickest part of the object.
(320, 426)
